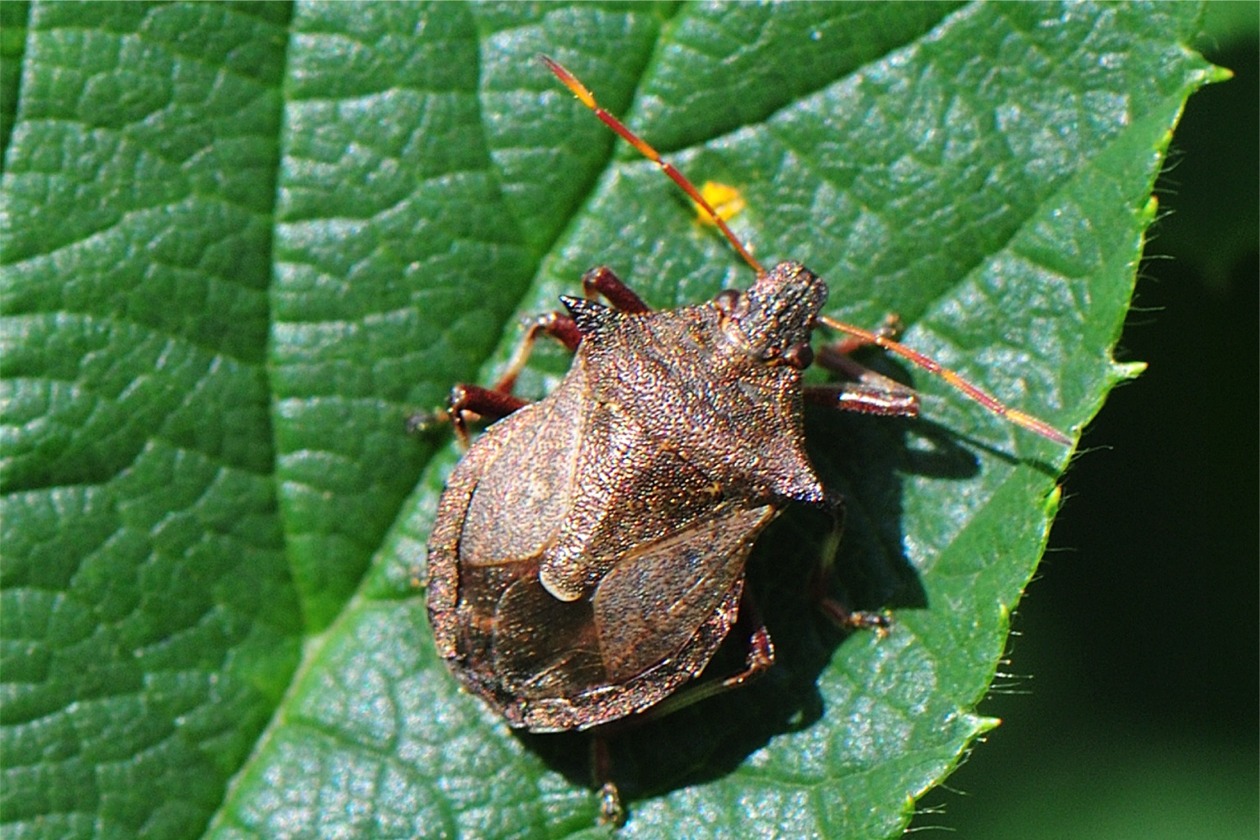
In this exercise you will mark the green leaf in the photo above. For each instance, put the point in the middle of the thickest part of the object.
(242, 242)
(12, 35)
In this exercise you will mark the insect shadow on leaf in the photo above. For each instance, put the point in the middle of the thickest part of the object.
(865, 459)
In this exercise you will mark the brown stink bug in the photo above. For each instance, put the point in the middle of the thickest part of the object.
(589, 551)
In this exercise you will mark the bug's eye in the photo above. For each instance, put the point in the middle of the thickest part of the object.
(799, 356)
(727, 300)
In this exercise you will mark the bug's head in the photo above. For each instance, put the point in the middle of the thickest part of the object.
(773, 320)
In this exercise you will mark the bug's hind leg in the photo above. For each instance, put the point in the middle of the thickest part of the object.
(759, 658)
(611, 810)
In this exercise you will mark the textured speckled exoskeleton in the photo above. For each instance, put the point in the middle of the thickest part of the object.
(589, 551)
(588, 555)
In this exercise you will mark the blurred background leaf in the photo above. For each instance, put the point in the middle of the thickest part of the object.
(1130, 707)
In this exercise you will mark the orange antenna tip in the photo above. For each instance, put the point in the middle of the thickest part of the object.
(570, 81)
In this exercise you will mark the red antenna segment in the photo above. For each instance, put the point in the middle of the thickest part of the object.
(984, 398)
(588, 99)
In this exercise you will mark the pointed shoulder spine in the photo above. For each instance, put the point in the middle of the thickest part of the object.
(590, 316)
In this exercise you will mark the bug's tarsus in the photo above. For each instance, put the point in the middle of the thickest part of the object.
(611, 811)
(880, 621)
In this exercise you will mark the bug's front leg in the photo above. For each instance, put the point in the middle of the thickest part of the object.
(872, 394)
(597, 281)
(863, 390)
(601, 280)
(470, 402)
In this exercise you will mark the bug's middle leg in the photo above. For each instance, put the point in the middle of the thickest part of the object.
(468, 403)
(832, 607)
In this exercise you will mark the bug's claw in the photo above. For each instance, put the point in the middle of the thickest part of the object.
(423, 422)
(880, 621)
(611, 811)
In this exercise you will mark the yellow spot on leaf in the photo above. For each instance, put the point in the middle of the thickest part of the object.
(726, 200)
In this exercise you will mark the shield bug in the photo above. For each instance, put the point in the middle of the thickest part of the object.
(588, 553)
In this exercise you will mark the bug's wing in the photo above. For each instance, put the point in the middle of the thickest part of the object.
(656, 599)
(645, 611)
(544, 647)
(522, 465)
(522, 495)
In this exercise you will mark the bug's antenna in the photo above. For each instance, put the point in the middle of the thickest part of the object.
(987, 400)
(588, 99)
